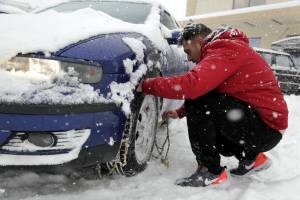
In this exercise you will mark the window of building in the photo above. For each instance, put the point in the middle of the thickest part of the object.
(240, 4)
(255, 41)
(247, 3)
(257, 2)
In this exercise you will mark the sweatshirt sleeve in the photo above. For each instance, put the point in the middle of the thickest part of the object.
(218, 64)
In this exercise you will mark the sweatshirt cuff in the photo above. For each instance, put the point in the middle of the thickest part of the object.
(146, 86)
(181, 112)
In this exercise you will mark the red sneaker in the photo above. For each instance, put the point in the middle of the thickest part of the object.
(261, 162)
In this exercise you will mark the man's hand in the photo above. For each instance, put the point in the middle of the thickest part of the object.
(170, 114)
(139, 88)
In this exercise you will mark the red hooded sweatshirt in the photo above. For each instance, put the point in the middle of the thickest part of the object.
(228, 65)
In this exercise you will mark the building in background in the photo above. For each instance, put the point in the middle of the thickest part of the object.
(264, 21)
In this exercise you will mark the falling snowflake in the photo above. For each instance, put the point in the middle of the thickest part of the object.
(243, 154)
(177, 87)
(235, 115)
(275, 115)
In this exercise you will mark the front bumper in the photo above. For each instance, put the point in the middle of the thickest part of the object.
(101, 132)
(87, 158)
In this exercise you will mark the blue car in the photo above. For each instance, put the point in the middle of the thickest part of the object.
(66, 138)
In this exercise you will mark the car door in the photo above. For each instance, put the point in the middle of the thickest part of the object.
(176, 59)
(287, 74)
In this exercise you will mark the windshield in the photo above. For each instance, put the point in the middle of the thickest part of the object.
(127, 11)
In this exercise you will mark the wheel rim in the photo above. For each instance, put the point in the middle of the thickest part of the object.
(145, 129)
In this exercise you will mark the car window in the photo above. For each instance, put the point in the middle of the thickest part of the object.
(168, 21)
(127, 11)
(267, 57)
(283, 61)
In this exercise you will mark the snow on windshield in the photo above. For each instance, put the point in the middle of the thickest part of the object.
(127, 11)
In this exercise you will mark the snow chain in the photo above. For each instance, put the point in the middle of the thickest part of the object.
(117, 165)
(160, 149)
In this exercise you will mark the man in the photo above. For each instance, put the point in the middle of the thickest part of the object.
(233, 104)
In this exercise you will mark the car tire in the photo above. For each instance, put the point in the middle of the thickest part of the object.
(139, 135)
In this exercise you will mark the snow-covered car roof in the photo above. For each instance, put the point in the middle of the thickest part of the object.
(294, 39)
(287, 43)
(271, 51)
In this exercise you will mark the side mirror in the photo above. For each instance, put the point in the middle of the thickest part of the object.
(174, 36)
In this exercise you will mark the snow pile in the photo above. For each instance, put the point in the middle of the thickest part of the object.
(123, 93)
(34, 88)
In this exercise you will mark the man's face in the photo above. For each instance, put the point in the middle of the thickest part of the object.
(193, 48)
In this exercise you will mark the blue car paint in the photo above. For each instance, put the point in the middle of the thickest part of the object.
(4, 135)
(107, 50)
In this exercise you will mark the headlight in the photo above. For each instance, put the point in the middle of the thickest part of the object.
(85, 72)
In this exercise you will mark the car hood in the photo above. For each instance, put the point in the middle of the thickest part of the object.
(52, 31)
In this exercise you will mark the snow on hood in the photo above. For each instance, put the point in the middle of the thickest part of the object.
(28, 33)
(34, 88)
(51, 31)
(10, 9)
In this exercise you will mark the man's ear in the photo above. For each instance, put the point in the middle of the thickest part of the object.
(199, 40)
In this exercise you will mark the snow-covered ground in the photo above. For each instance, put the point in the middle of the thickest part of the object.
(280, 182)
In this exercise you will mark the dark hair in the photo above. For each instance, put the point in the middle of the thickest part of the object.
(191, 31)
